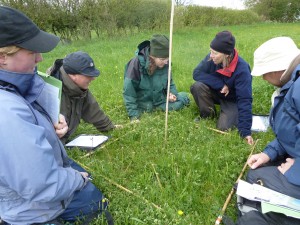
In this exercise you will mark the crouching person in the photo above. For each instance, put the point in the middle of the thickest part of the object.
(37, 183)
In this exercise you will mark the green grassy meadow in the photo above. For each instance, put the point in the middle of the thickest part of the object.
(146, 177)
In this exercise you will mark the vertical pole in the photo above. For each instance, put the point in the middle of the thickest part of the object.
(169, 71)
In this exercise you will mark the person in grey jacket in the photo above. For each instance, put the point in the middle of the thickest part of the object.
(37, 183)
(76, 71)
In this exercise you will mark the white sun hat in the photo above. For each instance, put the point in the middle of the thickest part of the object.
(275, 54)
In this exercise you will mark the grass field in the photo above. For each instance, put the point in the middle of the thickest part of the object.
(194, 170)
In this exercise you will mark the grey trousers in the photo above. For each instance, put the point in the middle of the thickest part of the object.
(206, 98)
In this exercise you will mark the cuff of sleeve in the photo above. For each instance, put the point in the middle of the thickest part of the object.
(292, 175)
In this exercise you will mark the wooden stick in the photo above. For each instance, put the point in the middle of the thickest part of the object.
(220, 217)
(130, 192)
(119, 186)
(157, 177)
(218, 131)
(106, 144)
(169, 71)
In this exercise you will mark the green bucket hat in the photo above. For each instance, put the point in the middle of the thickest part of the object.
(159, 46)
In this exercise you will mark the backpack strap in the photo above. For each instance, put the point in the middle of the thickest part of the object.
(54, 69)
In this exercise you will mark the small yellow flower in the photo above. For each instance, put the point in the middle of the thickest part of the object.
(180, 212)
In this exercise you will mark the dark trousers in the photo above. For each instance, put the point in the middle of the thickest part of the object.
(272, 178)
(206, 98)
(258, 218)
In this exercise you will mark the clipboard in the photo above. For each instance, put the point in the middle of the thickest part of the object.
(87, 142)
(50, 97)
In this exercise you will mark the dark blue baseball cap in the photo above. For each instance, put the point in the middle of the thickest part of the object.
(18, 30)
(80, 63)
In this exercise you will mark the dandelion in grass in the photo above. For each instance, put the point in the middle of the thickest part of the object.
(180, 212)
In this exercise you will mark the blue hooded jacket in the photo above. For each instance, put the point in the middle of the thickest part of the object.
(285, 122)
(36, 182)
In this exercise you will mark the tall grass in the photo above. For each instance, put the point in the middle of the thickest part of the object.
(195, 168)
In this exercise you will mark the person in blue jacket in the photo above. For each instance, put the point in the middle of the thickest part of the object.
(224, 78)
(278, 166)
(146, 80)
(37, 182)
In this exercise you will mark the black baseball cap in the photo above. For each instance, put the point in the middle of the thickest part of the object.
(80, 63)
(17, 29)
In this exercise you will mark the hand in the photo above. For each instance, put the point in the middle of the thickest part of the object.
(61, 128)
(225, 90)
(257, 160)
(286, 166)
(172, 97)
(85, 175)
(118, 126)
(249, 140)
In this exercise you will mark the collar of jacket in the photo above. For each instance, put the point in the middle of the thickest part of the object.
(28, 85)
(228, 71)
(69, 87)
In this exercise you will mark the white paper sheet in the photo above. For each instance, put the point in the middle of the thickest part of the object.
(260, 193)
(87, 141)
(260, 123)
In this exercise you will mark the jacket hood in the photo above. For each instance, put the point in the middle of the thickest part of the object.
(143, 49)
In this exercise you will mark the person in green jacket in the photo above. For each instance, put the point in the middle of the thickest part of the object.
(146, 80)
(76, 71)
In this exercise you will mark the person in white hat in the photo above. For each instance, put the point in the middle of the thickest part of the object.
(278, 166)
(272, 58)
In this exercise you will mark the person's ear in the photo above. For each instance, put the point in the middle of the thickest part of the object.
(73, 77)
(2, 59)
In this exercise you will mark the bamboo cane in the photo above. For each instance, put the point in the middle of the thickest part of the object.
(220, 217)
(169, 71)
(119, 186)
(218, 131)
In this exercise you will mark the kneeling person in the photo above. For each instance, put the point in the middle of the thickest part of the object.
(146, 80)
(77, 70)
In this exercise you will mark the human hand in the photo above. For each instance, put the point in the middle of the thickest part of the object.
(249, 140)
(225, 90)
(286, 166)
(61, 128)
(172, 97)
(85, 175)
(118, 126)
(257, 160)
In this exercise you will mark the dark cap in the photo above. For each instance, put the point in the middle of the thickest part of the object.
(159, 46)
(17, 29)
(80, 63)
(224, 42)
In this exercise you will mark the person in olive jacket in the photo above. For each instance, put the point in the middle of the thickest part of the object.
(146, 80)
(76, 71)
